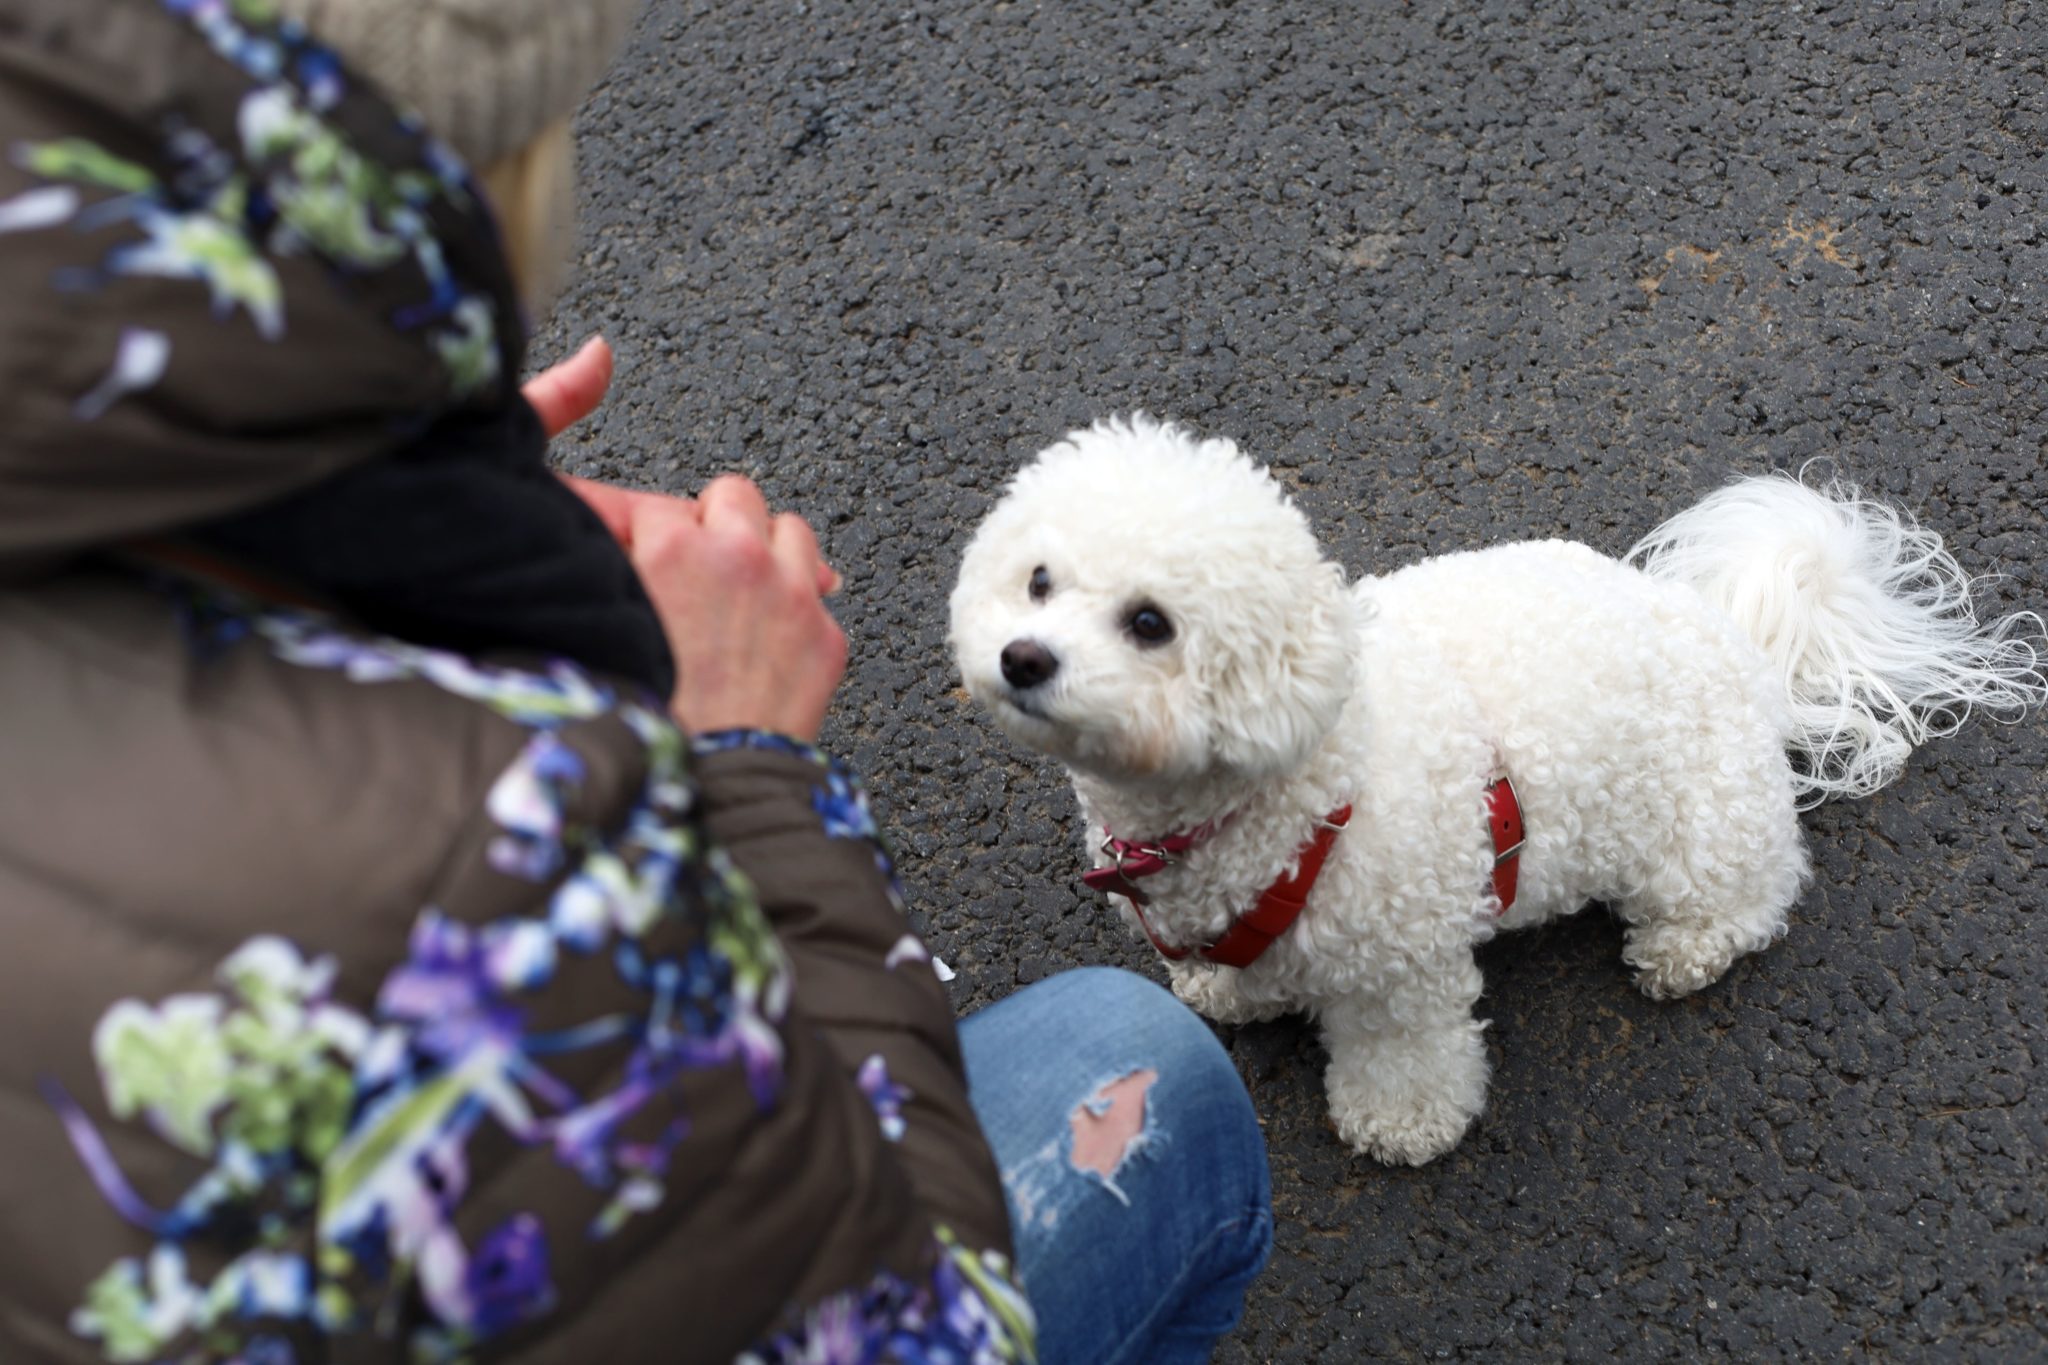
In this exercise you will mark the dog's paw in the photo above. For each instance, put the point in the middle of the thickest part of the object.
(1673, 960)
(1416, 1131)
(1213, 993)
(1407, 1100)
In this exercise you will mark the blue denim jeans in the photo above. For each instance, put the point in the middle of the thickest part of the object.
(1132, 1162)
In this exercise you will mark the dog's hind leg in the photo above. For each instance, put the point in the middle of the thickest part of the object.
(1684, 946)
(1407, 1071)
(1723, 888)
(1213, 993)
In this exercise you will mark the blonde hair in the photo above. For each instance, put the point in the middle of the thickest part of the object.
(533, 192)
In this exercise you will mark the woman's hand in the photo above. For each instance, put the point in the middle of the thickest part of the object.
(565, 394)
(738, 592)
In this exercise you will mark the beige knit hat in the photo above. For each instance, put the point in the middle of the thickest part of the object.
(488, 76)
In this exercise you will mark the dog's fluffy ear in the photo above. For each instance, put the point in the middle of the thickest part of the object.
(1274, 693)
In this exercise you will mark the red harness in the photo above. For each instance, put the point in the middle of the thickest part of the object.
(1504, 819)
(1251, 933)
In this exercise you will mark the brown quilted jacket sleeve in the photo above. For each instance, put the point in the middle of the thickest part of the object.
(800, 828)
(771, 1221)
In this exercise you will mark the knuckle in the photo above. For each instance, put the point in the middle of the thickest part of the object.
(662, 542)
(795, 528)
(743, 555)
(732, 488)
(798, 591)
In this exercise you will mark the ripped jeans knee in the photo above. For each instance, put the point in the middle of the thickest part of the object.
(1132, 1161)
(1110, 1126)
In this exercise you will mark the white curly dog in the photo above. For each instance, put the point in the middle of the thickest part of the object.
(1246, 733)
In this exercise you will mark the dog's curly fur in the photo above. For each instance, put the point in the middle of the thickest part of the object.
(1645, 711)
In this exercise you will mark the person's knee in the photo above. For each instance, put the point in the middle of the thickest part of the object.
(1146, 1014)
(1173, 1060)
(1109, 1012)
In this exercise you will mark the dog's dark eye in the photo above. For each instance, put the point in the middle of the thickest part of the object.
(1041, 584)
(1150, 626)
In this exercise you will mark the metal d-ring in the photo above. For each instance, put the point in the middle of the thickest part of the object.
(1121, 849)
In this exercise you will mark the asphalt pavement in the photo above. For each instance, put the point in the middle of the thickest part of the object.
(1460, 273)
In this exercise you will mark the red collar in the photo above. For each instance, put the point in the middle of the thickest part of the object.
(1251, 933)
(1138, 858)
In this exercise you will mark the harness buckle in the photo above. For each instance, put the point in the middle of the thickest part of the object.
(1122, 850)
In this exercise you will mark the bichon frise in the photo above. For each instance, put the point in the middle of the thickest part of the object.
(1310, 796)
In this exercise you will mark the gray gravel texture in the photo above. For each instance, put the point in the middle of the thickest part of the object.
(1461, 273)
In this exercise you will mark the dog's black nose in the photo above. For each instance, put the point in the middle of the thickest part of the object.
(1027, 663)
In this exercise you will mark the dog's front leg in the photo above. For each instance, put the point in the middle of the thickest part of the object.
(1216, 993)
(1407, 1070)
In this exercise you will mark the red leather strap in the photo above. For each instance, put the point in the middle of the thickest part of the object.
(1135, 858)
(1504, 818)
(1165, 950)
(1250, 934)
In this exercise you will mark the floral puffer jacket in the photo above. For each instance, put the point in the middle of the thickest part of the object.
(368, 998)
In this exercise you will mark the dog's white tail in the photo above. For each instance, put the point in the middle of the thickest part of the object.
(1864, 614)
